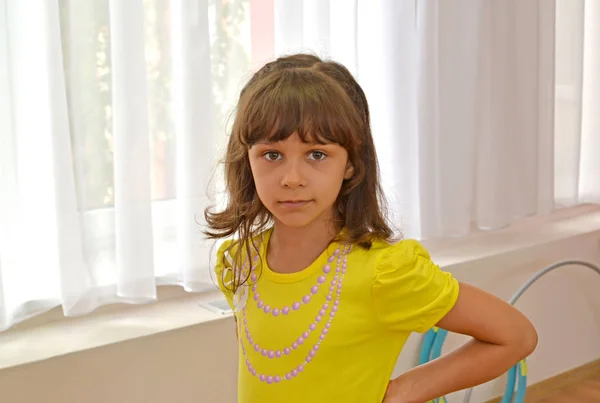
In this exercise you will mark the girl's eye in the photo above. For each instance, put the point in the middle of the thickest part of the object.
(272, 155)
(317, 155)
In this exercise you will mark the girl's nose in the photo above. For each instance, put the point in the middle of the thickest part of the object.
(292, 176)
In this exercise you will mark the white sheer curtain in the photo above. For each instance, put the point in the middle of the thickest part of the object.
(472, 128)
(483, 111)
(109, 112)
(113, 113)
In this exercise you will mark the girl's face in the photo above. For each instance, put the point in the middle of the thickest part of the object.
(299, 182)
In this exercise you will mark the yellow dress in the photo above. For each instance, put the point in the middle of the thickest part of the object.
(333, 331)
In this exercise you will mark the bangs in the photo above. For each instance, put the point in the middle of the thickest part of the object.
(301, 101)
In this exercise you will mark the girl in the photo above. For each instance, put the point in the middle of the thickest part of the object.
(324, 299)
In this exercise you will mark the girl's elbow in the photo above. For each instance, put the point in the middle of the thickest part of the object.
(526, 340)
(531, 340)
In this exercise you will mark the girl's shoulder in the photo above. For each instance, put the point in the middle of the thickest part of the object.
(410, 291)
(400, 264)
(394, 262)
(229, 249)
(227, 263)
(393, 255)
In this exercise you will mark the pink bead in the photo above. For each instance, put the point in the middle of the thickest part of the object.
(300, 340)
(316, 347)
(277, 379)
(336, 302)
(288, 376)
(305, 335)
(287, 351)
(337, 252)
(294, 345)
(318, 318)
(331, 259)
(328, 325)
(326, 268)
(278, 353)
(253, 372)
(264, 351)
(269, 379)
(300, 368)
(275, 312)
(329, 298)
(285, 310)
(308, 358)
(321, 279)
(261, 303)
(322, 312)
(271, 354)
(339, 286)
(248, 363)
(312, 353)
(306, 299)
(325, 305)
(267, 309)
(253, 277)
(296, 306)
(331, 288)
(256, 297)
(256, 347)
(262, 377)
(294, 372)
(322, 337)
(335, 308)
(312, 326)
(325, 331)
(314, 289)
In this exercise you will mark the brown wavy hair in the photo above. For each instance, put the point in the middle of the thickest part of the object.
(322, 102)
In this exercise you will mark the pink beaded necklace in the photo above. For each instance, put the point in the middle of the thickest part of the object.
(334, 293)
(298, 304)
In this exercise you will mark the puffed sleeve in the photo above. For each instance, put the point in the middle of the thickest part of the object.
(411, 293)
(223, 271)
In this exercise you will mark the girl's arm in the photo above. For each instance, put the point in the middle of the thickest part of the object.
(502, 337)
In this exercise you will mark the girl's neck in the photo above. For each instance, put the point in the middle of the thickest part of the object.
(292, 249)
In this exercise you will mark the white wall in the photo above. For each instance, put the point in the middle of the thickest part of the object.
(190, 365)
(198, 363)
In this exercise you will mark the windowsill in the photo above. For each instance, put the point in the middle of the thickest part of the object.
(526, 233)
(70, 335)
(28, 344)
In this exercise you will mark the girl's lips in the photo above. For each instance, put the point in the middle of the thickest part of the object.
(294, 203)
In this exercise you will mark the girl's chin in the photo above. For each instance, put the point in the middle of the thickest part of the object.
(301, 217)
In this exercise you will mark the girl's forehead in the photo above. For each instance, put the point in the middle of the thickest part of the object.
(294, 139)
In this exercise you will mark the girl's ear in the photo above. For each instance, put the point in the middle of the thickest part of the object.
(349, 171)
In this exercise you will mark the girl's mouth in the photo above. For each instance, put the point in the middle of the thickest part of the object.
(294, 203)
